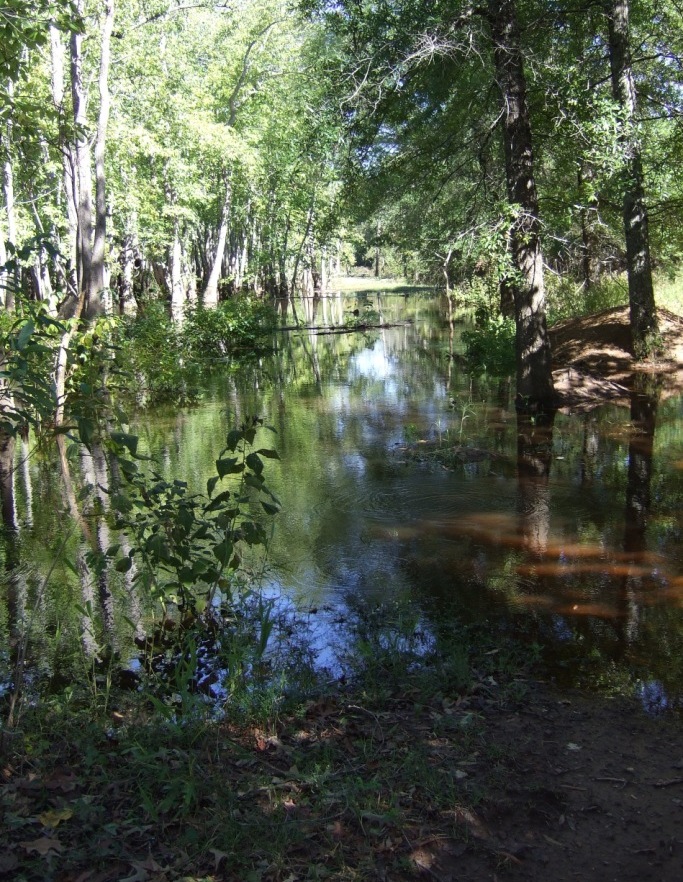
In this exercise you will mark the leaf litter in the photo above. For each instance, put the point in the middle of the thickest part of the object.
(478, 785)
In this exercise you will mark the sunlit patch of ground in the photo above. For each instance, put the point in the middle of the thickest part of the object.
(593, 358)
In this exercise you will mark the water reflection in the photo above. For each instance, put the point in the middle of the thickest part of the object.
(567, 531)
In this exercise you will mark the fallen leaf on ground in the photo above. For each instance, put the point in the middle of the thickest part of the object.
(218, 857)
(43, 845)
(54, 817)
(65, 781)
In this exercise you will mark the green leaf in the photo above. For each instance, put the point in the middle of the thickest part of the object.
(218, 502)
(234, 438)
(123, 439)
(255, 481)
(229, 466)
(211, 485)
(269, 454)
(121, 503)
(158, 546)
(253, 460)
(186, 518)
(25, 334)
(86, 428)
(254, 534)
(123, 565)
(270, 508)
(128, 468)
(223, 551)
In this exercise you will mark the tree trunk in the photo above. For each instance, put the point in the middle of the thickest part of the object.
(99, 301)
(4, 276)
(126, 278)
(588, 213)
(210, 295)
(177, 292)
(8, 187)
(82, 175)
(68, 163)
(644, 328)
(378, 254)
(535, 389)
(297, 260)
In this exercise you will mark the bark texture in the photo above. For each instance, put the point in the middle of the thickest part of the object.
(534, 370)
(98, 301)
(639, 267)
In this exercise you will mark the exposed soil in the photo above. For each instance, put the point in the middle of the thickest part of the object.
(475, 787)
(593, 359)
(590, 789)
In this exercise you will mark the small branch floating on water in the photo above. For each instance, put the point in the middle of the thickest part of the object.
(345, 329)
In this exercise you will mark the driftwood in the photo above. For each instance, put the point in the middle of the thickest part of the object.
(345, 329)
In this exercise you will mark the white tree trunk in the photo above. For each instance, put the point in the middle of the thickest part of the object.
(210, 295)
(100, 300)
(177, 291)
(71, 200)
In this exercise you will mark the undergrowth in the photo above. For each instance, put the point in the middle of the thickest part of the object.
(331, 778)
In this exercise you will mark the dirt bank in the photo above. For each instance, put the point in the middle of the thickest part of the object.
(593, 360)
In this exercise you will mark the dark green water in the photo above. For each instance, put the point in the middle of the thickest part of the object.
(571, 540)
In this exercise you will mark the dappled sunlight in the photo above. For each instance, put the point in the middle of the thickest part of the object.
(562, 569)
(600, 610)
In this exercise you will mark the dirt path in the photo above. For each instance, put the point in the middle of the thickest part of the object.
(591, 789)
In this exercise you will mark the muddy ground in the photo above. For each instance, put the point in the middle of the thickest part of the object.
(590, 789)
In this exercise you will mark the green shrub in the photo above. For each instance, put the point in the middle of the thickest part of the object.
(152, 348)
(490, 345)
(237, 324)
(669, 292)
(567, 298)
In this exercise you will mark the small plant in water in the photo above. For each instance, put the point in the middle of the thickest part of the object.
(186, 546)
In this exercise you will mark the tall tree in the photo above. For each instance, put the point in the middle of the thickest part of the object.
(534, 371)
(420, 78)
(99, 296)
(644, 326)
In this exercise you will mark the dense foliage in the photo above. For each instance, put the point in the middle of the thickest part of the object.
(258, 147)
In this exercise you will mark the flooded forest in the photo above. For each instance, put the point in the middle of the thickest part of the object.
(341, 440)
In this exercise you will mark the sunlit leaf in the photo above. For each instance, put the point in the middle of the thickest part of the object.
(54, 817)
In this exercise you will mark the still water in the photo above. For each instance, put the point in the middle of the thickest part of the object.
(567, 535)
